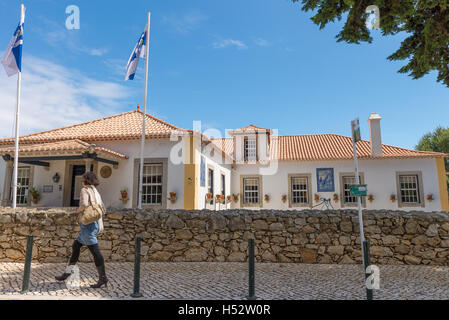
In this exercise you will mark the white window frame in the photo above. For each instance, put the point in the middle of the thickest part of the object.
(344, 175)
(243, 198)
(25, 196)
(250, 148)
(152, 184)
(417, 175)
(307, 200)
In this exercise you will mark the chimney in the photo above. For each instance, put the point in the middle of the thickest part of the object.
(375, 135)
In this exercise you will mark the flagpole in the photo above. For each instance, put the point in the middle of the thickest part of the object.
(142, 146)
(16, 148)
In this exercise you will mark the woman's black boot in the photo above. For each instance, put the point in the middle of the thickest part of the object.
(102, 278)
(65, 275)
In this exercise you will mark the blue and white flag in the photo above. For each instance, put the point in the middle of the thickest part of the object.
(138, 52)
(12, 59)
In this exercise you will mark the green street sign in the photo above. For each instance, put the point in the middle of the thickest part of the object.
(358, 190)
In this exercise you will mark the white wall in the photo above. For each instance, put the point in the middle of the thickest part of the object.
(215, 161)
(380, 177)
(43, 177)
(122, 177)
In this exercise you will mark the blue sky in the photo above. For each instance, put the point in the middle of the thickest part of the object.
(226, 63)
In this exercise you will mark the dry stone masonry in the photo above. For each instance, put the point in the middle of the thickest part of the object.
(308, 236)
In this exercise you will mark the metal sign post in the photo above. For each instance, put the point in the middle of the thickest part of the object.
(355, 127)
(359, 191)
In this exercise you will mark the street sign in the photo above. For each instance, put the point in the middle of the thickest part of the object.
(358, 190)
(355, 126)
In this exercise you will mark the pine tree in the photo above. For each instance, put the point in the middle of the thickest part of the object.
(437, 141)
(426, 22)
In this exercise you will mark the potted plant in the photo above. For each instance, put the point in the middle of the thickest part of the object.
(429, 197)
(172, 197)
(267, 198)
(370, 198)
(228, 198)
(235, 197)
(124, 193)
(34, 194)
(335, 197)
(393, 197)
(317, 197)
(209, 195)
(284, 198)
(220, 198)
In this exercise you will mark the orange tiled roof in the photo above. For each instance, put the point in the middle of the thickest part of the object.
(63, 146)
(317, 147)
(122, 126)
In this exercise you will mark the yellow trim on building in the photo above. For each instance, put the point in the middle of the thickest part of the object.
(442, 184)
(190, 175)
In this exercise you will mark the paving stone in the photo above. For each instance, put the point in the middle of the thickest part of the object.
(216, 280)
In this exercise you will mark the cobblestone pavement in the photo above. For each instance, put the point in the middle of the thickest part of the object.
(229, 281)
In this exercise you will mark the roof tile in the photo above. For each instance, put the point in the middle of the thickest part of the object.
(66, 146)
(122, 126)
(317, 147)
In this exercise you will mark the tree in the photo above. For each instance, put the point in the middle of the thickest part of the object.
(437, 141)
(425, 21)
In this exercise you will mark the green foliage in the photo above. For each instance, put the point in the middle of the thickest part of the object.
(426, 23)
(437, 141)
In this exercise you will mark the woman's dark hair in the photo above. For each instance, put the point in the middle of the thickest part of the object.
(90, 179)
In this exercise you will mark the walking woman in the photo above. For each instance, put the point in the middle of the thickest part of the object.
(88, 234)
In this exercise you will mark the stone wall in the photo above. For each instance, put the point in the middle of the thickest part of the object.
(308, 236)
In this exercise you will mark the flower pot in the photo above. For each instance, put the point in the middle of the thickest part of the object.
(34, 197)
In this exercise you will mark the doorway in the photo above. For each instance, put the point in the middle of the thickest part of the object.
(77, 173)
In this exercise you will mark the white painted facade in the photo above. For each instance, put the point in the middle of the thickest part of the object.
(213, 160)
(379, 176)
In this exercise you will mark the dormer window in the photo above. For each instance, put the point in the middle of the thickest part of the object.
(250, 148)
(251, 143)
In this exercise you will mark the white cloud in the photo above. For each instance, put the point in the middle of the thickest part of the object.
(54, 96)
(229, 42)
(261, 42)
(185, 23)
(97, 52)
(116, 66)
(56, 35)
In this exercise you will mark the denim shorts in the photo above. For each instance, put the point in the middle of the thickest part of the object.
(88, 234)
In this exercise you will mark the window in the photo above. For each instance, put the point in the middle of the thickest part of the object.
(251, 192)
(203, 172)
(299, 190)
(23, 180)
(250, 148)
(223, 184)
(346, 180)
(210, 183)
(347, 183)
(152, 184)
(410, 191)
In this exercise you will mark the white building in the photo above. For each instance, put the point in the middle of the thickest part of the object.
(253, 168)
